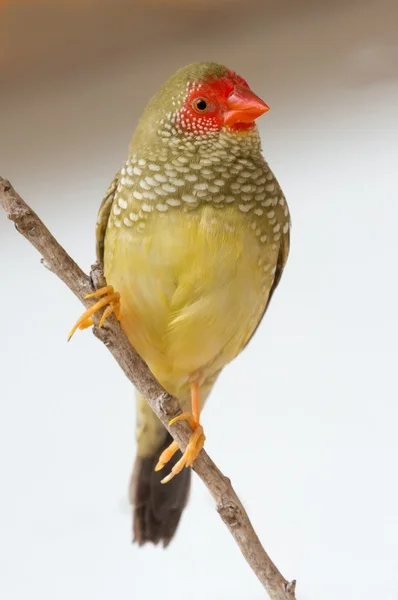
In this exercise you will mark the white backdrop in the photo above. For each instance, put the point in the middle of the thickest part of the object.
(315, 458)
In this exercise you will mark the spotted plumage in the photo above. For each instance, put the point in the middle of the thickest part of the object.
(194, 235)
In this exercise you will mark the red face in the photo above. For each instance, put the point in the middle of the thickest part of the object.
(224, 102)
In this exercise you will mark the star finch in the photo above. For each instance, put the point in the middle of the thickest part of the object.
(193, 234)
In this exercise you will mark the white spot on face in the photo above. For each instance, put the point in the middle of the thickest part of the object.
(246, 197)
(153, 167)
(273, 270)
(276, 228)
(271, 214)
(177, 182)
(191, 177)
(116, 209)
(142, 162)
(218, 199)
(213, 189)
(286, 227)
(260, 197)
(281, 201)
(137, 195)
(162, 207)
(122, 203)
(277, 237)
(171, 173)
(127, 222)
(219, 182)
(270, 187)
(133, 216)
(137, 171)
(117, 223)
(254, 226)
(263, 239)
(267, 202)
(146, 207)
(123, 171)
(229, 199)
(246, 188)
(258, 211)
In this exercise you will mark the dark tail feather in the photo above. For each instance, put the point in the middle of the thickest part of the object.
(157, 507)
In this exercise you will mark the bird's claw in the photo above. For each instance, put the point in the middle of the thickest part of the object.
(195, 445)
(109, 299)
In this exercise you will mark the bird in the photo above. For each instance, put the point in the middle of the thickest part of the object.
(193, 235)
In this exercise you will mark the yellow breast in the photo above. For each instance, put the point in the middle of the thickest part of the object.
(193, 287)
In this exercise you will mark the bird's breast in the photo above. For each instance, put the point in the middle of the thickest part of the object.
(193, 287)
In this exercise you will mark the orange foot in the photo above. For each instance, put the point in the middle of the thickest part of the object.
(195, 444)
(111, 300)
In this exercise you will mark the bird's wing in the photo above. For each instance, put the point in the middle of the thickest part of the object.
(103, 217)
(282, 259)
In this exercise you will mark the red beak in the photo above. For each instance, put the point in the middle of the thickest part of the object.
(243, 106)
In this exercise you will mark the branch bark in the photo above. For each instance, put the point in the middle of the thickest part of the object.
(229, 507)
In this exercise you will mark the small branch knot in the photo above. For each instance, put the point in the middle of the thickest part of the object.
(291, 587)
(97, 276)
(229, 512)
(168, 406)
(103, 334)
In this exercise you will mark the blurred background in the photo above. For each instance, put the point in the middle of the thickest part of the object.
(305, 421)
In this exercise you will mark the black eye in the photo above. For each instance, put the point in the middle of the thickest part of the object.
(200, 105)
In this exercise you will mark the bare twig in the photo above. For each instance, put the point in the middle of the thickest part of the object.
(165, 406)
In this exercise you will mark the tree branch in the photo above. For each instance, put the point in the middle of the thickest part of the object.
(165, 406)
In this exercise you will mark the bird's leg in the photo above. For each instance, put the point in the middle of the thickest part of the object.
(196, 441)
(110, 299)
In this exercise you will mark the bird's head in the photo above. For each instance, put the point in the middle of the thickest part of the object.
(200, 104)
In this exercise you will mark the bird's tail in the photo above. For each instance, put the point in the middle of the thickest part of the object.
(157, 507)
